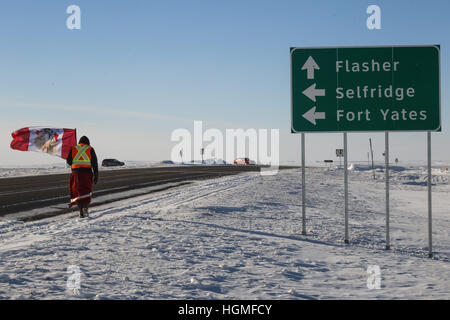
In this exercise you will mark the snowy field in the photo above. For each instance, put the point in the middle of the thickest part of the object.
(238, 237)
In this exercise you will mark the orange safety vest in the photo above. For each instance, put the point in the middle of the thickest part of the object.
(81, 156)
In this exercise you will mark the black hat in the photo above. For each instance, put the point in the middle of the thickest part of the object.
(84, 140)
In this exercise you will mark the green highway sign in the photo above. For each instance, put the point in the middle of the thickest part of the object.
(383, 88)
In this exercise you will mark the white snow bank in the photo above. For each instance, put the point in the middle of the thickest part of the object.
(361, 167)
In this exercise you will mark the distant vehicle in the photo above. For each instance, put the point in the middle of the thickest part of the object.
(112, 163)
(243, 162)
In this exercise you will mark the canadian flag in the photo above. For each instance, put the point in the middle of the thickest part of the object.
(57, 142)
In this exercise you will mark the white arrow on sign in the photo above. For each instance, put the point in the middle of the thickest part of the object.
(312, 92)
(310, 65)
(312, 115)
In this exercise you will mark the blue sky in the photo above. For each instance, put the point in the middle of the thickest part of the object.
(137, 70)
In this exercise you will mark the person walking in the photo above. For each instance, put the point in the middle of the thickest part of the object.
(84, 164)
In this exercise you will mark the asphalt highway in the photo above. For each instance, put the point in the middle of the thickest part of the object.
(26, 193)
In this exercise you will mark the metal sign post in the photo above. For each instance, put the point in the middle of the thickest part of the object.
(346, 240)
(386, 161)
(303, 187)
(430, 240)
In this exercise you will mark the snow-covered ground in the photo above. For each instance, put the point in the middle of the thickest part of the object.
(238, 237)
